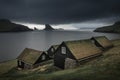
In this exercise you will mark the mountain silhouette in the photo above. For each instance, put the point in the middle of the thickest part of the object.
(115, 28)
(48, 27)
(8, 26)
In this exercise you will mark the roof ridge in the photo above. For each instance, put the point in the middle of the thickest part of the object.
(77, 40)
(78, 48)
(98, 36)
(33, 49)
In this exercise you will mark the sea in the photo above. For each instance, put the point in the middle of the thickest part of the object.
(13, 43)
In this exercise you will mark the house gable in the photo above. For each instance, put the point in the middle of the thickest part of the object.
(29, 58)
(94, 41)
(77, 50)
(67, 54)
(59, 59)
(102, 42)
(40, 59)
(20, 64)
(24, 65)
(51, 51)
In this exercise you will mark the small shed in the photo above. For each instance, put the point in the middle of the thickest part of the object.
(102, 42)
(51, 50)
(78, 50)
(31, 58)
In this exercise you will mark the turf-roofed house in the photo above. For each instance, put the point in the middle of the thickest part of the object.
(52, 50)
(102, 42)
(71, 53)
(31, 58)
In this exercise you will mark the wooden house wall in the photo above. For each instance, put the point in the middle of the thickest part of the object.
(59, 61)
(40, 59)
(97, 44)
(50, 53)
(30, 66)
(59, 58)
(22, 64)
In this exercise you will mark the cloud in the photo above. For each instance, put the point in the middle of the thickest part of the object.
(58, 11)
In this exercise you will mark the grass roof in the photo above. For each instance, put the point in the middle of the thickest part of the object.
(82, 48)
(103, 41)
(55, 46)
(30, 55)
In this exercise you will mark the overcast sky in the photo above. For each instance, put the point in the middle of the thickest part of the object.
(78, 13)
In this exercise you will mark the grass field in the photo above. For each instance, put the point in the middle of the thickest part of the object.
(106, 67)
(6, 66)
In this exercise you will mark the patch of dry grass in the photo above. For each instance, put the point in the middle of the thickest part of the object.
(6, 66)
(116, 42)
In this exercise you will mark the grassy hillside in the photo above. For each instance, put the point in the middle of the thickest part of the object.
(8, 26)
(6, 66)
(115, 28)
(106, 67)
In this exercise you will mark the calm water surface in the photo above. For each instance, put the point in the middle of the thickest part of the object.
(12, 44)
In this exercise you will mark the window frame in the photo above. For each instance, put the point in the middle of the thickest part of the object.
(20, 63)
(43, 57)
(52, 49)
(63, 50)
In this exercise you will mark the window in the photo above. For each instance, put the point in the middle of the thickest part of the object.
(52, 50)
(63, 50)
(43, 57)
(19, 62)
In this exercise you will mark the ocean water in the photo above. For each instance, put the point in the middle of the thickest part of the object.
(12, 44)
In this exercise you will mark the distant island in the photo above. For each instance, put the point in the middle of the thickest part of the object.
(115, 28)
(8, 26)
(48, 27)
(35, 29)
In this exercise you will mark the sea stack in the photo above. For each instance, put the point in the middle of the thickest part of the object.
(48, 27)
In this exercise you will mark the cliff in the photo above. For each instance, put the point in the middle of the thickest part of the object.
(115, 28)
(8, 26)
